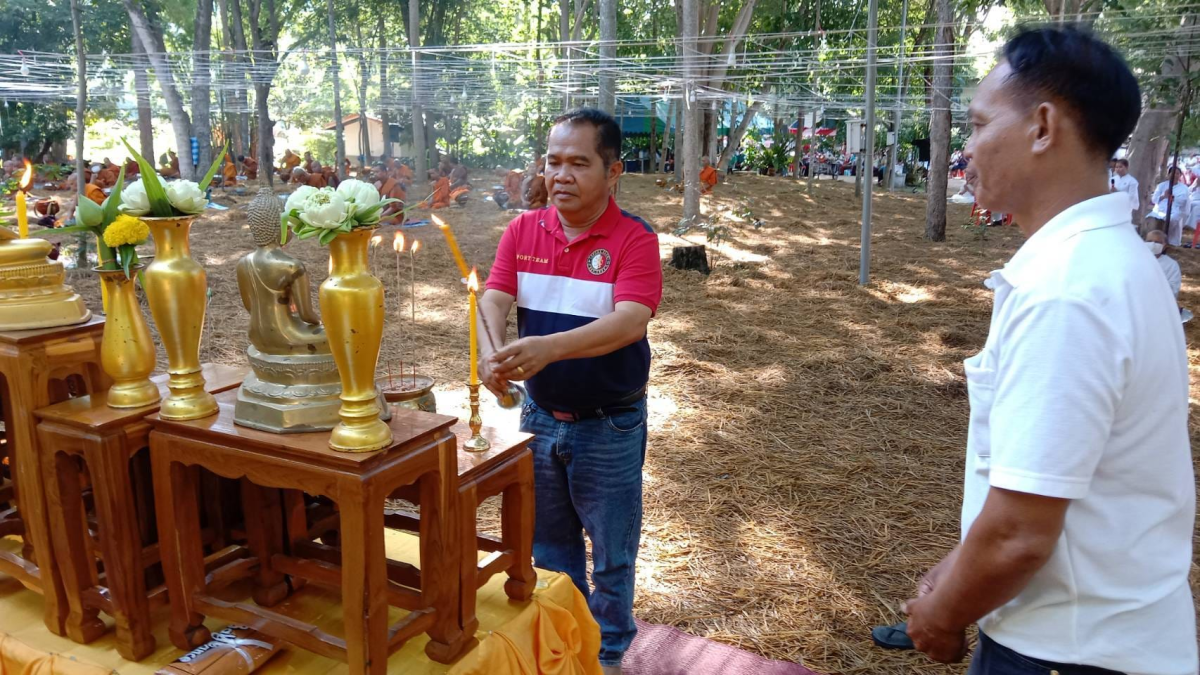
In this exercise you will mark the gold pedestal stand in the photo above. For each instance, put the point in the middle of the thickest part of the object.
(477, 443)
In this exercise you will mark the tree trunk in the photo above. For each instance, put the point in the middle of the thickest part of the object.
(564, 35)
(385, 114)
(939, 125)
(151, 37)
(677, 147)
(798, 151)
(662, 162)
(418, 122)
(141, 85)
(608, 55)
(1151, 137)
(653, 138)
(80, 95)
(736, 136)
(364, 127)
(339, 130)
(201, 84)
(266, 65)
(691, 129)
(241, 97)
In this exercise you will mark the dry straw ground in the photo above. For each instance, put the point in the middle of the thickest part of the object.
(807, 442)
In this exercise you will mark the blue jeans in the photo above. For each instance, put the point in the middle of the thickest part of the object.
(993, 658)
(588, 477)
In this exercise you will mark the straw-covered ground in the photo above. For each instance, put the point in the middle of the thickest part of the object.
(808, 434)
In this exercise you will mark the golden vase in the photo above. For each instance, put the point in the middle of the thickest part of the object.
(177, 288)
(352, 311)
(126, 350)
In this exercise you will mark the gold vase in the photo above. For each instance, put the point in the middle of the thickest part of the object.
(177, 288)
(127, 350)
(352, 310)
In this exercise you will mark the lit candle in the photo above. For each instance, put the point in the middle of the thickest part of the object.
(472, 286)
(22, 211)
(453, 243)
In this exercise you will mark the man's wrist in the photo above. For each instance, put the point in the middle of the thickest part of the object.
(941, 614)
(555, 344)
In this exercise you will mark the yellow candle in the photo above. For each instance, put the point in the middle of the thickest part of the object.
(452, 242)
(22, 216)
(472, 286)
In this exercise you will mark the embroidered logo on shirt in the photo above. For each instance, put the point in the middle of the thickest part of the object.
(534, 259)
(599, 261)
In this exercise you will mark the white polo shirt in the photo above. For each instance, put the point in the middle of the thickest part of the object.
(1129, 185)
(1081, 393)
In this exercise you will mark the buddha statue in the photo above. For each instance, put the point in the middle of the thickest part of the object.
(294, 386)
(32, 289)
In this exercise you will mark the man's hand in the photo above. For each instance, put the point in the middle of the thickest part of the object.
(935, 573)
(487, 375)
(942, 644)
(524, 358)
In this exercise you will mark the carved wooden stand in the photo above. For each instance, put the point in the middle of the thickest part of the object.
(108, 440)
(279, 545)
(40, 367)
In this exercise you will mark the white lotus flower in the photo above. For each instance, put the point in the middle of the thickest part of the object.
(326, 209)
(134, 200)
(362, 194)
(186, 196)
(299, 199)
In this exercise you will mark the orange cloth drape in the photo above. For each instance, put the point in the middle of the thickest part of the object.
(554, 635)
(94, 193)
(708, 178)
(18, 658)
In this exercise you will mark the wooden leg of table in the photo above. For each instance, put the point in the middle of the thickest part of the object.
(121, 542)
(264, 533)
(364, 580)
(468, 502)
(64, 504)
(176, 499)
(29, 393)
(516, 521)
(295, 518)
(214, 508)
(441, 553)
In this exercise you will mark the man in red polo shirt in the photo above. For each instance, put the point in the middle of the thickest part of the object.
(586, 278)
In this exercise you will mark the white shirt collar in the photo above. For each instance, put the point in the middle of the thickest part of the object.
(1091, 214)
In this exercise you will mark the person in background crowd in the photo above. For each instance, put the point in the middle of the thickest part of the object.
(1170, 195)
(1156, 241)
(1121, 181)
(1079, 502)
(708, 176)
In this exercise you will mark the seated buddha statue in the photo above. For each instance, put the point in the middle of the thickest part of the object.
(294, 386)
(32, 289)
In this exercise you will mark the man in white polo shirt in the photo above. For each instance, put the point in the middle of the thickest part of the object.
(1079, 497)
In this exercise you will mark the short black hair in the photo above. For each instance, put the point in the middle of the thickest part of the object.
(1075, 67)
(608, 132)
(1122, 162)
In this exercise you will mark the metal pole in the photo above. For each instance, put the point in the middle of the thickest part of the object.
(899, 114)
(864, 264)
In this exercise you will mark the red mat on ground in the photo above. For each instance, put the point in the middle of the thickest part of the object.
(663, 650)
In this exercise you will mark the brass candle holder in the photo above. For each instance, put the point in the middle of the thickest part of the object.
(477, 443)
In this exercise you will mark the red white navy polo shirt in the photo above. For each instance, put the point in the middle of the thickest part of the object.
(561, 285)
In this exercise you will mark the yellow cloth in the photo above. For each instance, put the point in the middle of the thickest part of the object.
(18, 658)
(555, 630)
(554, 635)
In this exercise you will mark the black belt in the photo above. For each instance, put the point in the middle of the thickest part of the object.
(618, 406)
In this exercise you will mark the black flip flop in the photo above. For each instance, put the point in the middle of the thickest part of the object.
(892, 637)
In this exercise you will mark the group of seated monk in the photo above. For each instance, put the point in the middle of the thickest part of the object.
(168, 165)
(450, 184)
(524, 190)
(393, 180)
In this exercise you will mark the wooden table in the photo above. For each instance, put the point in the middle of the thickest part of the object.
(505, 469)
(40, 367)
(108, 440)
(422, 453)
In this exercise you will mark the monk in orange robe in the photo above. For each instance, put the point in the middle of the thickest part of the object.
(708, 177)
(534, 192)
(290, 161)
(171, 171)
(249, 167)
(229, 173)
(94, 193)
(302, 177)
(107, 176)
(404, 173)
(441, 194)
(132, 168)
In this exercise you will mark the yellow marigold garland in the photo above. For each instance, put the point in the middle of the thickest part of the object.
(126, 230)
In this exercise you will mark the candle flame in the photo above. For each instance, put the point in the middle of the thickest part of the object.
(473, 281)
(377, 240)
(439, 222)
(416, 246)
(398, 242)
(27, 177)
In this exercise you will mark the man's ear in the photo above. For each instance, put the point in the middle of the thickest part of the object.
(1048, 122)
(614, 172)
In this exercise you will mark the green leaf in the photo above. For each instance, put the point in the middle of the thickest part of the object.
(127, 254)
(283, 228)
(370, 216)
(91, 214)
(212, 170)
(160, 206)
(328, 236)
(62, 230)
(114, 200)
